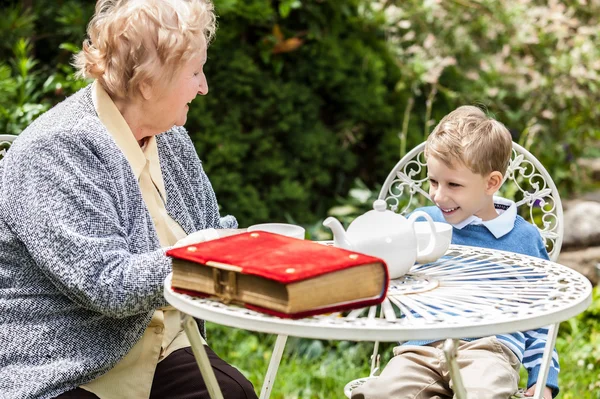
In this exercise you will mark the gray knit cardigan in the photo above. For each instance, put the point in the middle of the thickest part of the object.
(81, 267)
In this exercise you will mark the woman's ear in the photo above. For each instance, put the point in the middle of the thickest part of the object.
(494, 181)
(146, 90)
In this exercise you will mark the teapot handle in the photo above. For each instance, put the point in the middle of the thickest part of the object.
(428, 251)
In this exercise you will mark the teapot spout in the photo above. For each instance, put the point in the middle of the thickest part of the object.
(340, 238)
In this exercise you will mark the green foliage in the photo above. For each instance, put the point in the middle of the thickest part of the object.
(534, 64)
(580, 339)
(31, 78)
(19, 92)
(307, 96)
(298, 90)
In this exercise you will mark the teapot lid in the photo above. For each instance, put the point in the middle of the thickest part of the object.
(379, 205)
(379, 221)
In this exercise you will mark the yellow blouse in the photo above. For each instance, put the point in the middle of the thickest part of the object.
(132, 376)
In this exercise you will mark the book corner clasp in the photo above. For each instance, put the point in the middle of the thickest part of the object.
(225, 284)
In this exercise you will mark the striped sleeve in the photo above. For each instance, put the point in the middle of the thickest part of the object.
(535, 341)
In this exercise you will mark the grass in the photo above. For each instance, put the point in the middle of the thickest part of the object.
(319, 369)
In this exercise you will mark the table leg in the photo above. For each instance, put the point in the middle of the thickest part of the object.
(451, 351)
(208, 374)
(375, 360)
(546, 362)
(267, 386)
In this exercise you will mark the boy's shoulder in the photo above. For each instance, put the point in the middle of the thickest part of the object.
(527, 238)
(523, 227)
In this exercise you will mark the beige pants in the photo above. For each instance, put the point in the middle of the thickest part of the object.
(489, 371)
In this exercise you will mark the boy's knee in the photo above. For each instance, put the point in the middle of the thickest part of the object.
(372, 389)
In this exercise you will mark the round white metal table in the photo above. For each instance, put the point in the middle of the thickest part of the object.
(470, 292)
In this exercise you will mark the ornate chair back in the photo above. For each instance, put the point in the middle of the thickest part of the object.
(526, 182)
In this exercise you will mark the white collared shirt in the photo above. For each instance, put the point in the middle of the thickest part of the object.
(499, 226)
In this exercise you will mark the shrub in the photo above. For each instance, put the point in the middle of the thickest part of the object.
(34, 58)
(299, 92)
(309, 96)
(534, 64)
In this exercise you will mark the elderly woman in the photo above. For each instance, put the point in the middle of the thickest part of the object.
(92, 194)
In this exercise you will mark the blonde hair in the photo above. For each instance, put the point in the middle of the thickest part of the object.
(468, 136)
(135, 42)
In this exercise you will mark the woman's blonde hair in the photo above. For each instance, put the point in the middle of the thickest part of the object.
(135, 42)
(468, 136)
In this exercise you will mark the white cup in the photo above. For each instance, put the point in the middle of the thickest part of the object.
(443, 232)
(286, 229)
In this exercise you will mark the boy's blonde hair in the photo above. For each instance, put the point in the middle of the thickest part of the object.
(468, 136)
(135, 42)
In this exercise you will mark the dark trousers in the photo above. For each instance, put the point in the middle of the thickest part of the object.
(178, 377)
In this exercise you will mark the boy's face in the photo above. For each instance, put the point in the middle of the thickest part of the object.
(460, 193)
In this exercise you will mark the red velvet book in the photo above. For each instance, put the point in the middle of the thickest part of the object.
(279, 275)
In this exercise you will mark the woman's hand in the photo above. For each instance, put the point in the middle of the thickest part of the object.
(206, 235)
(229, 232)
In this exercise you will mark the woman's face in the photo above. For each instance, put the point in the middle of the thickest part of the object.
(171, 106)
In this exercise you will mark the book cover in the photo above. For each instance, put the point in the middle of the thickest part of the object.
(279, 275)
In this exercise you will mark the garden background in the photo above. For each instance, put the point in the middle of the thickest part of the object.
(312, 102)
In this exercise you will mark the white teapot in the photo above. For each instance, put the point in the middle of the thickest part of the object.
(386, 235)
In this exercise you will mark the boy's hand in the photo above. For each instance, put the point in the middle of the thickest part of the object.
(531, 391)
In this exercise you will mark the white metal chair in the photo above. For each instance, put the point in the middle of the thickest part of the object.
(5, 143)
(526, 182)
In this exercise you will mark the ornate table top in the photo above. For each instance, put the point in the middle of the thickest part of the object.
(470, 292)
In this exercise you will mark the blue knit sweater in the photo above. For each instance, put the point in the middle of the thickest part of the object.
(525, 239)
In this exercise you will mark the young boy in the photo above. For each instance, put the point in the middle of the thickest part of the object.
(467, 155)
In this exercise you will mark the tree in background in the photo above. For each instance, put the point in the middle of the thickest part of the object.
(309, 99)
(534, 64)
(38, 40)
(300, 93)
